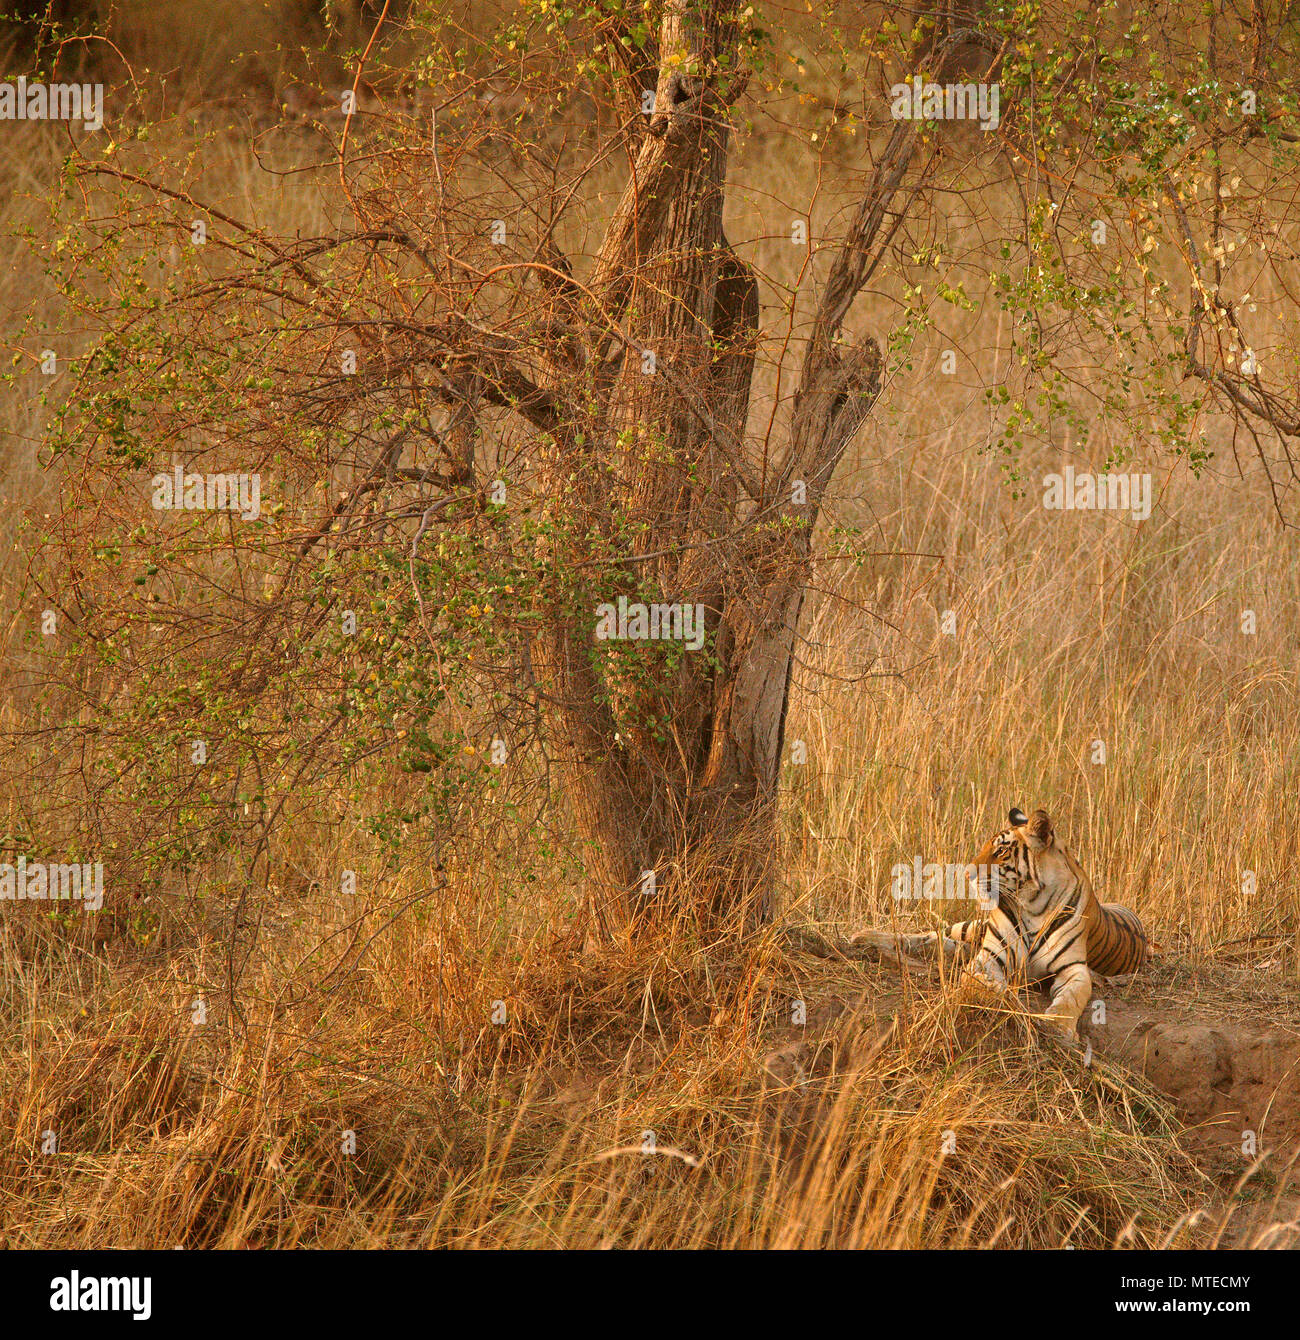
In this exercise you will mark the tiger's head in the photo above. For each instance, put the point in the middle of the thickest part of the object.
(1019, 861)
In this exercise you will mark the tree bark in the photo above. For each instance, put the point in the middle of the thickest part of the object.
(675, 770)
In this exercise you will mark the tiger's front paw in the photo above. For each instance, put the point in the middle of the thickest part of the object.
(871, 941)
(984, 993)
(875, 946)
(1060, 1026)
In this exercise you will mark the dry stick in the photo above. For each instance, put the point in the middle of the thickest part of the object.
(347, 123)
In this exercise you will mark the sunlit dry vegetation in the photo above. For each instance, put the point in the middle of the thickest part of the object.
(381, 906)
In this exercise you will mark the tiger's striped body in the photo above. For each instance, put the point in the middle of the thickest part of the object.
(1117, 942)
(1044, 924)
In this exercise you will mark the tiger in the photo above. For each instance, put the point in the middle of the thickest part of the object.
(1044, 924)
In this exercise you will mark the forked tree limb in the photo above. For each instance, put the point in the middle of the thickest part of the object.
(1246, 394)
(839, 382)
(838, 385)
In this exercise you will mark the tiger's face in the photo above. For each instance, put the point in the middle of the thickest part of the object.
(1019, 861)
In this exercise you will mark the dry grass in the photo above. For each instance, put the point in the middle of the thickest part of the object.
(1070, 628)
(945, 1135)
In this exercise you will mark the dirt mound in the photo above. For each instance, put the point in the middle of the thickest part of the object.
(1237, 1087)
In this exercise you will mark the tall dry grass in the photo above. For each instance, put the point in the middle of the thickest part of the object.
(1071, 628)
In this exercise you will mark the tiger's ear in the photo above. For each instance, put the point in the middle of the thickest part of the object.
(1040, 829)
(1017, 817)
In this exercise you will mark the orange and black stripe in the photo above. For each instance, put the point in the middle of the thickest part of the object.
(1117, 942)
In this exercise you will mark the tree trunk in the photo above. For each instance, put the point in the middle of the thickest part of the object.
(674, 770)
